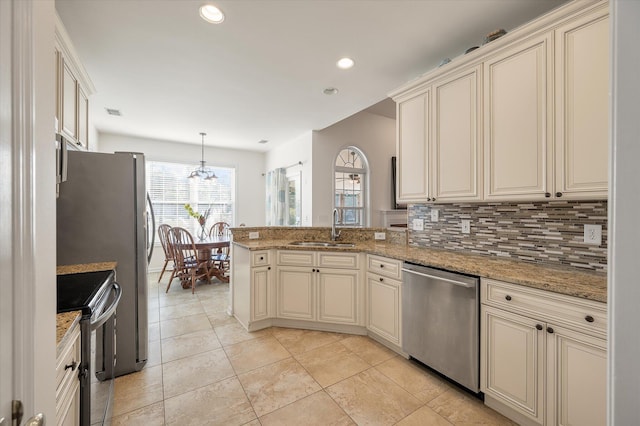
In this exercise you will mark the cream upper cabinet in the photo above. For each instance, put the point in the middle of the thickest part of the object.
(69, 102)
(413, 149)
(518, 88)
(73, 89)
(582, 106)
(456, 162)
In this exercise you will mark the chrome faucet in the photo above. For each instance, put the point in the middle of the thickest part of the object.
(334, 235)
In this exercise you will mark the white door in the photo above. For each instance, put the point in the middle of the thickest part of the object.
(27, 248)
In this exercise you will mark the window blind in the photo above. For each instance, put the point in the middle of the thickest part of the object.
(169, 190)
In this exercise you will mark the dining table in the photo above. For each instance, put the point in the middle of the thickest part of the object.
(205, 247)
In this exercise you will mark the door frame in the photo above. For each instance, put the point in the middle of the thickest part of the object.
(27, 195)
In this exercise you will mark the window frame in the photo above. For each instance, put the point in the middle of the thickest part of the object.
(363, 172)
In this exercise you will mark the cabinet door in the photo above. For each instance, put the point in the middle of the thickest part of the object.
(83, 119)
(577, 378)
(517, 141)
(582, 106)
(455, 146)
(512, 361)
(261, 293)
(338, 296)
(383, 307)
(296, 296)
(69, 93)
(413, 149)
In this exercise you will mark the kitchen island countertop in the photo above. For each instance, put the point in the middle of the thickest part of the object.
(564, 280)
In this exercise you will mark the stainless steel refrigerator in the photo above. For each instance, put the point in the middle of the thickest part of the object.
(101, 216)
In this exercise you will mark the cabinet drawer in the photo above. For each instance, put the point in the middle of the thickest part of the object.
(295, 258)
(384, 266)
(70, 356)
(338, 260)
(586, 315)
(259, 258)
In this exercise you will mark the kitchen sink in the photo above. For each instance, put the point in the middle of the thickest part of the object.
(321, 244)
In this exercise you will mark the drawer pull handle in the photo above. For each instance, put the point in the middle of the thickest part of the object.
(558, 194)
(549, 330)
(507, 297)
(381, 279)
(588, 318)
(538, 327)
(71, 366)
(547, 194)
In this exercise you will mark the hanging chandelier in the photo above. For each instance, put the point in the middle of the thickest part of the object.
(203, 172)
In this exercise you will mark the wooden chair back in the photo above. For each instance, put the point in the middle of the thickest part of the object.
(188, 267)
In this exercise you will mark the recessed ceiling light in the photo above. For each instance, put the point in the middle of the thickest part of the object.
(211, 13)
(345, 63)
(330, 91)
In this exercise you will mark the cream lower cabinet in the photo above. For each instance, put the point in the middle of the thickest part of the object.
(384, 298)
(543, 356)
(326, 287)
(252, 286)
(67, 381)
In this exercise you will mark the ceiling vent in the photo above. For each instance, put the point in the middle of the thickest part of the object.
(263, 141)
(115, 112)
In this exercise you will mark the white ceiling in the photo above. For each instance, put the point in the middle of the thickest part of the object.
(261, 73)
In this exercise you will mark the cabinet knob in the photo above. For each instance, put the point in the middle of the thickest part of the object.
(381, 279)
(547, 194)
(71, 366)
(507, 297)
(269, 268)
(261, 258)
(558, 194)
(433, 199)
(538, 327)
(317, 270)
(428, 198)
(549, 330)
(313, 270)
(382, 266)
(588, 318)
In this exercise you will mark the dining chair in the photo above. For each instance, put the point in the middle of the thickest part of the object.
(188, 266)
(163, 234)
(222, 258)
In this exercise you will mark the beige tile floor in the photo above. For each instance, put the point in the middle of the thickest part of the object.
(205, 369)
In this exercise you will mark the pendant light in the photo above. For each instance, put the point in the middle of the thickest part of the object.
(203, 172)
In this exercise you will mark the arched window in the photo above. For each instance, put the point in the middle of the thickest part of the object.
(350, 188)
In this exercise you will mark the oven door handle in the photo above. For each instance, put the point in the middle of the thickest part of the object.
(106, 314)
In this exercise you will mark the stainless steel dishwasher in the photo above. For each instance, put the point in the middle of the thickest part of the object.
(440, 322)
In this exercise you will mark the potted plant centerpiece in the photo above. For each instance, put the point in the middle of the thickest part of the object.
(201, 218)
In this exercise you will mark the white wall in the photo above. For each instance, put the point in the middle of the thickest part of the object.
(375, 136)
(624, 236)
(297, 150)
(249, 197)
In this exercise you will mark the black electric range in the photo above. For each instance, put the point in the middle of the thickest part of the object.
(80, 292)
(96, 295)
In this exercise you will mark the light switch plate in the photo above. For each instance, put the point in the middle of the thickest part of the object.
(418, 225)
(593, 234)
(465, 225)
(435, 214)
(379, 236)
(254, 235)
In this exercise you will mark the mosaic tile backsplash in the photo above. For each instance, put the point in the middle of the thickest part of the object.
(543, 232)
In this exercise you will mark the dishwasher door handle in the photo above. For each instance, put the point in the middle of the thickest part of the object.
(435, 277)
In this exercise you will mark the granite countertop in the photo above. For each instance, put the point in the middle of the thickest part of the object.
(569, 281)
(66, 320)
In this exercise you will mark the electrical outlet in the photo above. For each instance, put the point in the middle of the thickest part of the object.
(593, 234)
(434, 215)
(465, 225)
(379, 236)
(254, 235)
(418, 225)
